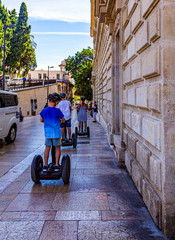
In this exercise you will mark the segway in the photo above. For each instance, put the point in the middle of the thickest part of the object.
(37, 173)
(82, 133)
(66, 141)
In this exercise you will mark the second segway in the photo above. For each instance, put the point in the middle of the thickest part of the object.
(69, 142)
(82, 132)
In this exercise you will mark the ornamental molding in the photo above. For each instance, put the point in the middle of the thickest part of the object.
(108, 11)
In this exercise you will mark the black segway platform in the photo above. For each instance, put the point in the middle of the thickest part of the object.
(67, 142)
(37, 173)
(82, 133)
(73, 142)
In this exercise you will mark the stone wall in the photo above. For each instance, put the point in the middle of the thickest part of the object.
(39, 93)
(133, 75)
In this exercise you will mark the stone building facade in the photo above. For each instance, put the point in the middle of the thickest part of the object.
(32, 100)
(133, 83)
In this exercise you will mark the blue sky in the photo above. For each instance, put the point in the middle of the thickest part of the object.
(60, 28)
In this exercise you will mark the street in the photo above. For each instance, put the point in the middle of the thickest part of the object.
(101, 201)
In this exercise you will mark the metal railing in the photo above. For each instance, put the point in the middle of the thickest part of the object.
(31, 83)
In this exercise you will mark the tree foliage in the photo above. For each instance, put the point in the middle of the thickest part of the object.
(80, 67)
(20, 50)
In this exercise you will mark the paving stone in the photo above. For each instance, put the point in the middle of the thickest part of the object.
(15, 187)
(28, 216)
(88, 164)
(101, 201)
(78, 215)
(59, 230)
(119, 230)
(26, 176)
(32, 202)
(134, 214)
(76, 201)
(124, 200)
(82, 155)
(52, 186)
(25, 230)
(101, 171)
(3, 185)
(77, 172)
(102, 183)
(5, 200)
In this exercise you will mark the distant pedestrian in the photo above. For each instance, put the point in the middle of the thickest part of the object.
(82, 113)
(90, 109)
(24, 81)
(51, 117)
(20, 115)
(95, 111)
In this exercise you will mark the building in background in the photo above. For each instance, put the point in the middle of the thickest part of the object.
(133, 83)
(61, 77)
(33, 99)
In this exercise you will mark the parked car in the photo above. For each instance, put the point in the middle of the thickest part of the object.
(7, 78)
(15, 81)
(9, 112)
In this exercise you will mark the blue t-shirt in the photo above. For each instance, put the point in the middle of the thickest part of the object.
(52, 117)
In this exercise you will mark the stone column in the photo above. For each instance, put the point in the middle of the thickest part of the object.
(168, 105)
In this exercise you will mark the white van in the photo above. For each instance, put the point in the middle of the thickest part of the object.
(9, 115)
(15, 81)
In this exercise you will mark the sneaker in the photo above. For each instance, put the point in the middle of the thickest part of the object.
(70, 140)
(56, 169)
(45, 168)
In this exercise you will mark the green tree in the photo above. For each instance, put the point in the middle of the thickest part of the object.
(80, 67)
(4, 20)
(1, 38)
(22, 53)
(1, 43)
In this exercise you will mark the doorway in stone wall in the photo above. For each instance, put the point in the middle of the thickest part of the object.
(117, 84)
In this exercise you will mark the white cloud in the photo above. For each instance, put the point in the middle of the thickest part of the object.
(60, 33)
(62, 10)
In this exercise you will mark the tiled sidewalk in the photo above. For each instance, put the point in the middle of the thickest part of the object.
(100, 203)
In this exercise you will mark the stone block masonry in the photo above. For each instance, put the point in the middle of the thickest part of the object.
(137, 39)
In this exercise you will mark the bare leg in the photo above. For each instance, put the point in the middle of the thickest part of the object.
(62, 130)
(58, 153)
(85, 126)
(46, 155)
(69, 132)
(79, 126)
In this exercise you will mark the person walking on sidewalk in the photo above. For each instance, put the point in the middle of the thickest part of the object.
(65, 107)
(95, 111)
(90, 109)
(82, 113)
(51, 117)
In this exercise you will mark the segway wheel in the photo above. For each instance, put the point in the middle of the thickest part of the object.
(74, 140)
(88, 131)
(76, 131)
(65, 168)
(36, 167)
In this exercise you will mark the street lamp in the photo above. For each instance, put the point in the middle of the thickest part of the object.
(5, 28)
(48, 83)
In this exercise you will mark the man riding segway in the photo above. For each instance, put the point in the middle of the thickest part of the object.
(51, 117)
(65, 107)
(82, 129)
